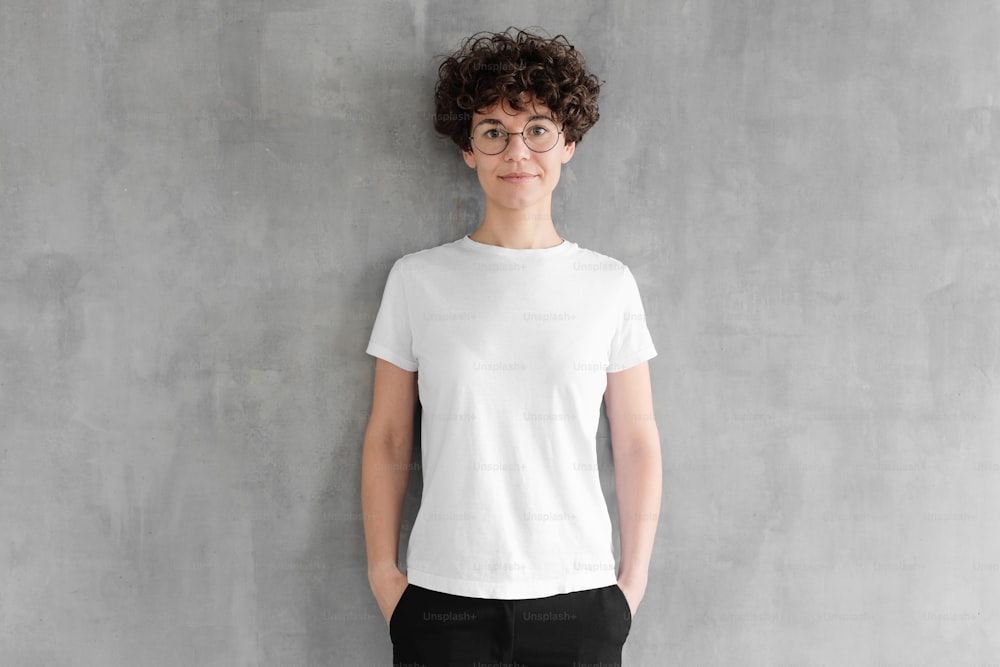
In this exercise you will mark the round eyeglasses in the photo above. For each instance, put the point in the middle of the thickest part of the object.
(540, 135)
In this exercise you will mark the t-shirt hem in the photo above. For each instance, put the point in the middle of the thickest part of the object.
(382, 352)
(511, 590)
(633, 360)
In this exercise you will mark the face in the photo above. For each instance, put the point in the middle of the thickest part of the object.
(517, 178)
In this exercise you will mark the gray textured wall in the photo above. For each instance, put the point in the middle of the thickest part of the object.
(200, 202)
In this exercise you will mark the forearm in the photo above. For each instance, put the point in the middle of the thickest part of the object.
(638, 487)
(385, 467)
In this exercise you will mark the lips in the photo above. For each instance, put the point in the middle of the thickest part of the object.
(517, 177)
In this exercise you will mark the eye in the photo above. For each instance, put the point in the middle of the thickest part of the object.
(493, 133)
(537, 130)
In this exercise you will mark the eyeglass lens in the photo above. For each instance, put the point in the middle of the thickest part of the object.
(540, 135)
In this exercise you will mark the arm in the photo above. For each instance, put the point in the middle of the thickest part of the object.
(635, 444)
(385, 470)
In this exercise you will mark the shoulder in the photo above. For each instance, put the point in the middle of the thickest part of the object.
(428, 257)
(599, 261)
(602, 267)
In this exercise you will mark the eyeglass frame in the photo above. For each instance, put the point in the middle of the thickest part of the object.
(472, 140)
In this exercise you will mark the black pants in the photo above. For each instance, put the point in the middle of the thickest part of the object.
(433, 629)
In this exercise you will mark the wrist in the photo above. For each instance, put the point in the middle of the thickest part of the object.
(633, 576)
(383, 570)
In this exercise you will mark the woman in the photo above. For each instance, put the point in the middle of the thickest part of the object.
(511, 337)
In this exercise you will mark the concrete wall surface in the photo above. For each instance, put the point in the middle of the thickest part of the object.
(200, 202)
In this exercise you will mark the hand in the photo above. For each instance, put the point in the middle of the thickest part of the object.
(388, 587)
(634, 591)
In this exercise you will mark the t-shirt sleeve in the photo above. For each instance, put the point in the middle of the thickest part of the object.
(631, 344)
(392, 334)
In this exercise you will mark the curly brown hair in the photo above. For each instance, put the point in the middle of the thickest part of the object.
(514, 66)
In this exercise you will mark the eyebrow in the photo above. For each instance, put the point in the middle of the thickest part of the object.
(495, 121)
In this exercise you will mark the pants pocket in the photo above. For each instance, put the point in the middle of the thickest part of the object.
(625, 609)
(395, 615)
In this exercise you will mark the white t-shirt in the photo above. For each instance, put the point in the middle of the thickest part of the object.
(512, 348)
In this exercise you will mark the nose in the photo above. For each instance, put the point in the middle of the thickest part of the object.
(516, 148)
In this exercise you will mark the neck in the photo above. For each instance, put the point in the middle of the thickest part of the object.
(517, 228)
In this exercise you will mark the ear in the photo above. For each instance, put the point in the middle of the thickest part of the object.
(568, 151)
(470, 158)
